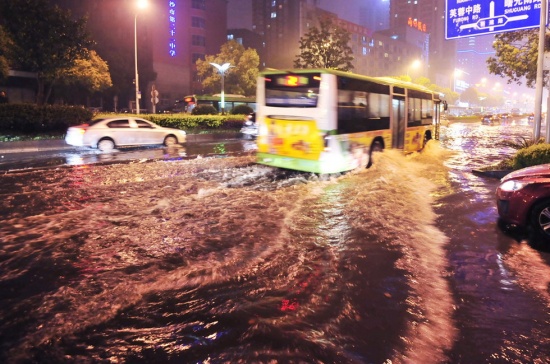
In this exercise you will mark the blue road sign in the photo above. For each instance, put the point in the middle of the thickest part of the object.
(466, 18)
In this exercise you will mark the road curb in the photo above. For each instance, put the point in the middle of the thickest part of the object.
(492, 174)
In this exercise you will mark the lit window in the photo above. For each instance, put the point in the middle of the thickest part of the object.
(273, 15)
(229, 36)
(364, 51)
(274, 3)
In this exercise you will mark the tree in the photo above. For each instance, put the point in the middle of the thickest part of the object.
(46, 40)
(92, 73)
(325, 47)
(470, 95)
(5, 43)
(86, 77)
(516, 56)
(240, 79)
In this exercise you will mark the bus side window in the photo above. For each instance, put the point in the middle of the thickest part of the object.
(415, 111)
(427, 111)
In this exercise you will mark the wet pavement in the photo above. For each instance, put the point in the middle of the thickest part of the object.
(215, 259)
(56, 153)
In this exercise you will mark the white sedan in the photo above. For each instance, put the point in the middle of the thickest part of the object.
(109, 133)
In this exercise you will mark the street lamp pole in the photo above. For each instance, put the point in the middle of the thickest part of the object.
(221, 70)
(135, 61)
(140, 4)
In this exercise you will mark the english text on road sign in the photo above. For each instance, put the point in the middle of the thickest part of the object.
(466, 18)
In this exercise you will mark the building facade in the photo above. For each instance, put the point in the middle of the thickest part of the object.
(428, 15)
(171, 36)
(471, 55)
(281, 24)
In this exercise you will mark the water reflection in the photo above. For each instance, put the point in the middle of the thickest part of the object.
(223, 260)
(490, 297)
(91, 156)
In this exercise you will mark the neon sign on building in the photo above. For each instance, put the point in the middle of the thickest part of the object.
(172, 28)
(414, 23)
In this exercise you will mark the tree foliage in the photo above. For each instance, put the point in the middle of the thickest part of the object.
(91, 72)
(325, 47)
(516, 56)
(46, 40)
(240, 79)
(5, 43)
(470, 95)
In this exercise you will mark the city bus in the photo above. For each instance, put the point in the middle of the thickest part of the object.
(190, 101)
(328, 121)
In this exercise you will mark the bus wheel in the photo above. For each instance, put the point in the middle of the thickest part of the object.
(427, 138)
(375, 147)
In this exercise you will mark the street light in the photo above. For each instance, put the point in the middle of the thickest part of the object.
(221, 70)
(414, 64)
(141, 4)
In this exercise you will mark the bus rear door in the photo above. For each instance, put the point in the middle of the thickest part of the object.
(398, 123)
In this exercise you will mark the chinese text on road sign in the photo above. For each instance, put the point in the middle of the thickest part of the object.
(466, 18)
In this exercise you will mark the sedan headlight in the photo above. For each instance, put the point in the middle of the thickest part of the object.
(512, 185)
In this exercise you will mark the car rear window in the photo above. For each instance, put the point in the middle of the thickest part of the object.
(119, 124)
(144, 124)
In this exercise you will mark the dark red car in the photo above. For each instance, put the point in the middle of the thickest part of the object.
(523, 199)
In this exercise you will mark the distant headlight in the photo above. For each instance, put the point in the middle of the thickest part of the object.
(510, 186)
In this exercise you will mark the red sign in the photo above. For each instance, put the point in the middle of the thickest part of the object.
(417, 24)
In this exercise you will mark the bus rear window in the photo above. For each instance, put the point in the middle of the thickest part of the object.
(290, 90)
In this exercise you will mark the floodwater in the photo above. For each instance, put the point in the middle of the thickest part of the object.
(83, 156)
(220, 260)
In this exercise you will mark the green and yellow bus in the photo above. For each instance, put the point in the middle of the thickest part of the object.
(327, 121)
(230, 101)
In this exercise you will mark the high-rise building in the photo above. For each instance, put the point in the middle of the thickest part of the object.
(171, 36)
(375, 15)
(281, 24)
(471, 59)
(429, 16)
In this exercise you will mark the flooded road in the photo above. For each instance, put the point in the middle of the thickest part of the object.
(498, 279)
(64, 156)
(219, 260)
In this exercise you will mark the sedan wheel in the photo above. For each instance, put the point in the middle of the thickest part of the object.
(170, 141)
(106, 145)
(540, 223)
